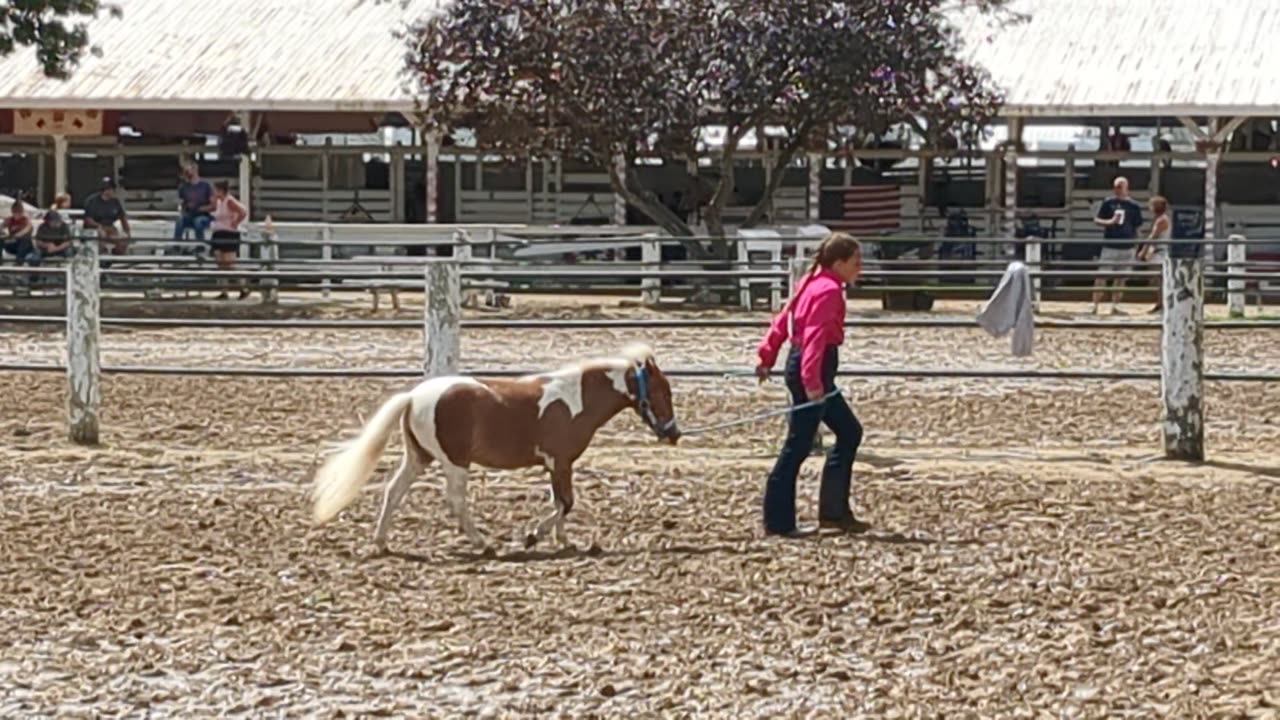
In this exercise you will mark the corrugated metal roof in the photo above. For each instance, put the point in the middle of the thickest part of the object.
(1074, 57)
(231, 54)
(1135, 57)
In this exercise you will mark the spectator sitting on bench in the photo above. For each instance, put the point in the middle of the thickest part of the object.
(101, 211)
(53, 237)
(18, 230)
(195, 197)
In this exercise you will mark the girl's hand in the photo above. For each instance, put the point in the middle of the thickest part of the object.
(815, 395)
(762, 373)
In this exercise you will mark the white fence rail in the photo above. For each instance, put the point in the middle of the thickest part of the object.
(1182, 375)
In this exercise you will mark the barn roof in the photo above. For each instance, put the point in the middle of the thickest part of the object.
(1072, 59)
(1131, 58)
(287, 55)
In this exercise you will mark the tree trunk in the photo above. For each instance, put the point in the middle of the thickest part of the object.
(630, 188)
(761, 211)
(715, 210)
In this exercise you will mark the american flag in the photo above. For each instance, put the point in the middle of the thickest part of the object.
(869, 210)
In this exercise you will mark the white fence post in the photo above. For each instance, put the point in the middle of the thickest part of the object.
(1182, 359)
(271, 257)
(83, 328)
(1033, 263)
(442, 317)
(326, 254)
(1235, 268)
(651, 257)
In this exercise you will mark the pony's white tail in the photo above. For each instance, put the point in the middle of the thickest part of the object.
(339, 480)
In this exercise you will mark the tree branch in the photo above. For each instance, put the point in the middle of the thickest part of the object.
(795, 143)
(628, 186)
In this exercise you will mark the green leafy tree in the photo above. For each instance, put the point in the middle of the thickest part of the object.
(57, 29)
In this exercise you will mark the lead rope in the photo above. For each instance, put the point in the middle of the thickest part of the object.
(760, 416)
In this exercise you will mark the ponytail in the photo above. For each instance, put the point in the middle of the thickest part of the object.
(834, 248)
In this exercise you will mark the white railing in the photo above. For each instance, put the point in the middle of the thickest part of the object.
(1181, 375)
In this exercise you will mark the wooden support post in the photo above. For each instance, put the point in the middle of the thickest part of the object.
(1182, 359)
(42, 182)
(815, 187)
(651, 257)
(431, 177)
(1212, 156)
(923, 174)
(442, 318)
(271, 258)
(59, 164)
(83, 330)
(775, 286)
(245, 191)
(1010, 191)
(620, 202)
(395, 182)
(324, 180)
(547, 205)
(1069, 191)
(1236, 253)
(529, 190)
(559, 196)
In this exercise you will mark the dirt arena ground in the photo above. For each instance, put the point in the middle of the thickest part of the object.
(1029, 558)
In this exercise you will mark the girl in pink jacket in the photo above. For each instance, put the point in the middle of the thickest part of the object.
(815, 316)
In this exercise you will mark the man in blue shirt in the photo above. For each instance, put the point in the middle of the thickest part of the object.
(195, 197)
(1120, 218)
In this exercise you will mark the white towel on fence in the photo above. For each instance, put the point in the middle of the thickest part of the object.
(1010, 308)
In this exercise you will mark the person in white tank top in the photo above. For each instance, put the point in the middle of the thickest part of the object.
(228, 213)
(1156, 248)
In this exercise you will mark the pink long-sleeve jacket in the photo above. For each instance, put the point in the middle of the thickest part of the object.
(818, 312)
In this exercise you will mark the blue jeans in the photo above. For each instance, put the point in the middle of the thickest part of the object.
(833, 497)
(37, 256)
(20, 249)
(199, 222)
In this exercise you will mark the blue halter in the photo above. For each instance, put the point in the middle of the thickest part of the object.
(642, 385)
(645, 408)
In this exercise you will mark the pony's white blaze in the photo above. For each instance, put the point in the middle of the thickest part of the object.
(422, 414)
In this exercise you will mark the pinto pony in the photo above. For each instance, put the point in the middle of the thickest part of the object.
(541, 420)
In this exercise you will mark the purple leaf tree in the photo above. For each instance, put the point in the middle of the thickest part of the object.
(597, 79)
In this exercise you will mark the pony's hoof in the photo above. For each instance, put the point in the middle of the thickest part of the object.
(488, 553)
(530, 540)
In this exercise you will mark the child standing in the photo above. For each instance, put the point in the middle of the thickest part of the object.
(816, 316)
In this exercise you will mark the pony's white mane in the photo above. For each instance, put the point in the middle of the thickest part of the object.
(636, 353)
